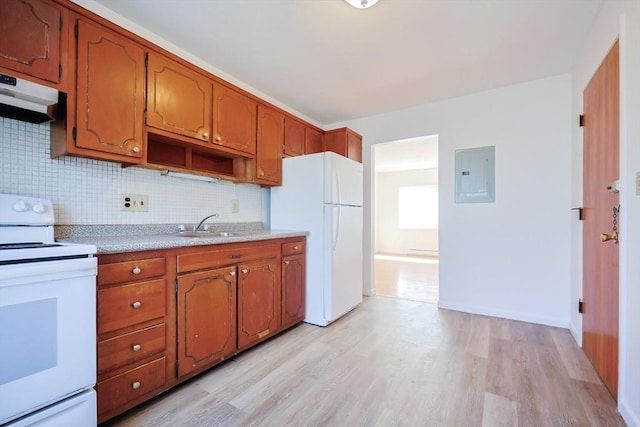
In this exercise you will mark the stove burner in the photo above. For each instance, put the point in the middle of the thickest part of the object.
(27, 245)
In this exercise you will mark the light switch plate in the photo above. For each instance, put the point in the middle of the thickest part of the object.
(134, 202)
(235, 206)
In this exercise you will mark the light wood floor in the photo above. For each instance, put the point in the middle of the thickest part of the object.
(394, 362)
(414, 278)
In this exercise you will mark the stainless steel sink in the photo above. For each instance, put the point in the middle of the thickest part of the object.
(209, 233)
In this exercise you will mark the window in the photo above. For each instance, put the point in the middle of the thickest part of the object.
(418, 206)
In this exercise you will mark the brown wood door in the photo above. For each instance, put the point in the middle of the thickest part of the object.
(293, 289)
(293, 137)
(269, 149)
(110, 98)
(30, 38)
(234, 119)
(258, 300)
(600, 259)
(178, 99)
(312, 141)
(206, 318)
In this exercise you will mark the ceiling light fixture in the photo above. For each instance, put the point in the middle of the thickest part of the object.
(361, 4)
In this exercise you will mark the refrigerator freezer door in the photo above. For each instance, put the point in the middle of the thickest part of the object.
(343, 260)
(343, 180)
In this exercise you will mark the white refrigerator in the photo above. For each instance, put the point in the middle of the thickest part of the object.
(322, 194)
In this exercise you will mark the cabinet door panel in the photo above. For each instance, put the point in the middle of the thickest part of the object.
(110, 98)
(234, 120)
(206, 318)
(293, 137)
(269, 152)
(258, 300)
(30, 41)
(293, 289)
(312, 141)
(178, 99)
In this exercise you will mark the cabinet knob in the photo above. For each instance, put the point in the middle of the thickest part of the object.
(287, 262)
(295, 248)
(136, 270)
(136, 347)
(245, 270)
(218, 138)
(136, 304)
(136, 149)
(135, 385)
(232, 273)
(205, 135)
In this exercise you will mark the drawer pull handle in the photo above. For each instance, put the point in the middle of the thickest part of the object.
(245, 270)
(136, 270)
(136, 304)
(287, 262)
(236, 256)
(135, 385)
(136, 347)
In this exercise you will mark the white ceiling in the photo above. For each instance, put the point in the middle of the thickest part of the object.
(332, 62)
(408, 154)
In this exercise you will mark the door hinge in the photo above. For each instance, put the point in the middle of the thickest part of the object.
(75, 30)
(580, 306)
(61, 22)
(59, 71)
(74, 133)
(581, 120)
(580, 217)
(176, 286)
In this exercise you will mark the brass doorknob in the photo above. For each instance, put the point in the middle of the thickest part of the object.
(606, 237)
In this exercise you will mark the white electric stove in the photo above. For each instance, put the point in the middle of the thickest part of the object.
(47, 320)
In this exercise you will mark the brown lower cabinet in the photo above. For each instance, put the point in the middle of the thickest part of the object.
(167, 315)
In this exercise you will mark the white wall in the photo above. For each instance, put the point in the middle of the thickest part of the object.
(509, 258)
(87, 191)
(389, 238)
(616, 19)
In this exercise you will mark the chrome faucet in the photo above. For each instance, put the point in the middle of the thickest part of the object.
(197, 227)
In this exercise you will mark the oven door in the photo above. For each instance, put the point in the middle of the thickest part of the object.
(47, 333)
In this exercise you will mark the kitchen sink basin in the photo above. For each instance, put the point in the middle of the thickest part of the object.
(209, 233)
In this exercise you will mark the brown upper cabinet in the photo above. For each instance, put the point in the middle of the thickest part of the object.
(344, 141)
(110, 95)
(294, 134)
(271, 130)
(312, 141)
(178, 99)
(30, 38)
(234, 120)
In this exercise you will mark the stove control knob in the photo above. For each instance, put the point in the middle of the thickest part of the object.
(21, 206)
(39, 208)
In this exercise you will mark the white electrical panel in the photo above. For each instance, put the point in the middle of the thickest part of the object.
(475, 175)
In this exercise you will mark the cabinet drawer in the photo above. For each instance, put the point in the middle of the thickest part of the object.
(130, 385)
(129, 348)
(292, 248)
(119, 272)
(212, 259)
(127, 305)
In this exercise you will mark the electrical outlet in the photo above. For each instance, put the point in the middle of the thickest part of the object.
(235, 206)
(134, 202)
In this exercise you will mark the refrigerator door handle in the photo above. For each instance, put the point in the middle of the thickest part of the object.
(335, 224)
(335, 178)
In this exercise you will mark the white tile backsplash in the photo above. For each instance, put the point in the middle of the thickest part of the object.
(87, 191)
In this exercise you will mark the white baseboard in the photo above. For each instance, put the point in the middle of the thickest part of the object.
(512, 315)
(628, 414)
(574, 332)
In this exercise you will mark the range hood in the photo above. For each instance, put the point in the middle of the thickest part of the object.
(26, 101)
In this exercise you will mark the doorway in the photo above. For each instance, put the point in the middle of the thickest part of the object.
(406, 263)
